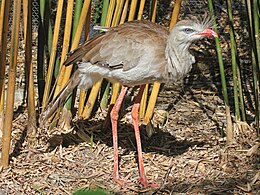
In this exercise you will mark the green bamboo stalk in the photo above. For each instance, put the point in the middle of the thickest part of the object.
(240, 91)
(11, 84)
(236, 64)
(77, 11)
(236, 70)
(233, 60)
(229, 128)
(104, 12)
(104, 99)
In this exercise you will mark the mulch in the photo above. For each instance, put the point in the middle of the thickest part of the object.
(185, 151)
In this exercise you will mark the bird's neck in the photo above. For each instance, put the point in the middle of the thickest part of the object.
(179, 59)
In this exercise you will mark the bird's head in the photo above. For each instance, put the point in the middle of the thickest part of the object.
(192, 29)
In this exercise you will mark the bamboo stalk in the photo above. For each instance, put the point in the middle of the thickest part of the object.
(256, 91)
(154, 9)
(59, 62)
(234, 62)
(47, 15)
(141, 10)
(118, 11)
(105, 96)
(65, 74)
(156, 86)
(143, 102)
(69, 100)
(82, 94)
(256, 72)
(40, 51)
(25, 21)
(104, 12)
(91, 100)
(175, 13)
(4, 16)
(11, 84)
(110, 12)
(77, 11)
(238, 91)
(124, 13)
(67, 31)
(31, 126)
(76, 39)
(66, 43)
(53, 54)
(252, 12)
(256, 10)
(229, 127)
(132, 10)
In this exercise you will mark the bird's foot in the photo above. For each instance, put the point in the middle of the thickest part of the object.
(121, 182)
(145, 183)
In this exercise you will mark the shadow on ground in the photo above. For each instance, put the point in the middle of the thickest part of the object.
(161, 142)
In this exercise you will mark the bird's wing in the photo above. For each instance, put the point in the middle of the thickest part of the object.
(123, 46)
(77, 54)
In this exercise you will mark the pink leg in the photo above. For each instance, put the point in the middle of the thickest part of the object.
(114, 120)
(135, 118)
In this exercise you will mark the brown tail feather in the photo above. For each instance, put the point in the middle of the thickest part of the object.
(61, 96)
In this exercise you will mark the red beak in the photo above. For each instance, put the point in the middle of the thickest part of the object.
(209, 33)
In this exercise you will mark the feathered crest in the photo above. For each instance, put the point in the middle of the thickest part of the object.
(205, 20)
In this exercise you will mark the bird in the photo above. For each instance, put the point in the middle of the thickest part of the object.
(134, 53)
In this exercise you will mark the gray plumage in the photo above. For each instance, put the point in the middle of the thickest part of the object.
(134, 53)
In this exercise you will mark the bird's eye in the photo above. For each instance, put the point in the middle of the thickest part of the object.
(188, 30)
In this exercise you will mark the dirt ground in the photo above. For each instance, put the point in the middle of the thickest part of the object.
(187, 154)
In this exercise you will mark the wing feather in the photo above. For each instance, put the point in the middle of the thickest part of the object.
(123, 47)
